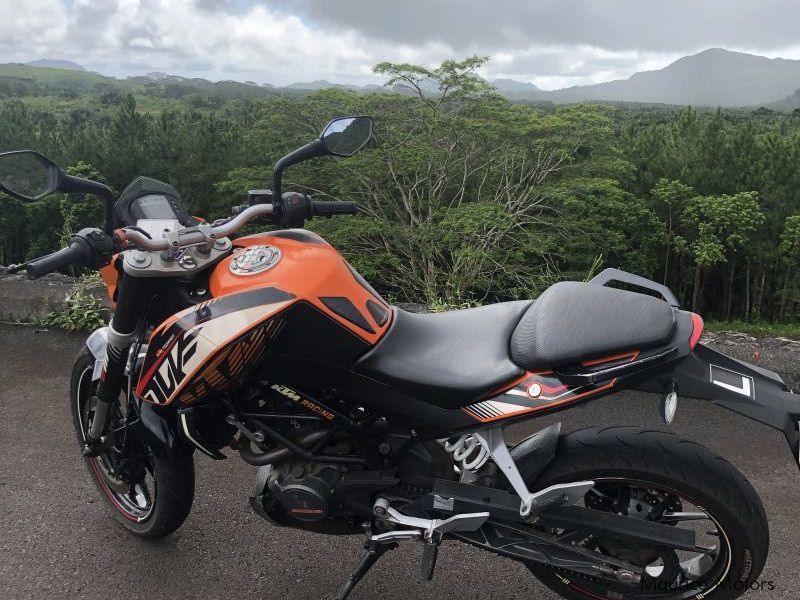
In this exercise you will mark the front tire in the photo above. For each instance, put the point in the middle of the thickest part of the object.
(657, 460)
(150, 496)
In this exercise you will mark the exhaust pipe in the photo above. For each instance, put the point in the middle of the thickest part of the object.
(259, 459)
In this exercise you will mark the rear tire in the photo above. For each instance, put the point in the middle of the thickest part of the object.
(170, 500)
(691, 471)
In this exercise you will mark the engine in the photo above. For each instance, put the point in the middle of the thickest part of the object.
(304, 490)
(318, 497)
(334, 498)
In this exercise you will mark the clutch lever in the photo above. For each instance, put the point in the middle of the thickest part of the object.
(16, 268)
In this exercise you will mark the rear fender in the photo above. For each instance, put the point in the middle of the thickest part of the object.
(747, 389)
(534, 453)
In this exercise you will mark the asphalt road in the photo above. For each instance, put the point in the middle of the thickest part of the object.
(57, 539)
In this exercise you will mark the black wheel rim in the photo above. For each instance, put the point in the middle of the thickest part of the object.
(698, 572)
(133, 499)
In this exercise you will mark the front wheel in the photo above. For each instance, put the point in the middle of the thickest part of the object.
(658, 476)
(149, 495)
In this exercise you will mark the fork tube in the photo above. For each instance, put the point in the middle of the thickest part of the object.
(134, 295)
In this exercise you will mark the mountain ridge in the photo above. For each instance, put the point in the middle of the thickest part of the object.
(712, 77)
(56, 63)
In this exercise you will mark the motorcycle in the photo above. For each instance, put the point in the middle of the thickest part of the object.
(362, 418)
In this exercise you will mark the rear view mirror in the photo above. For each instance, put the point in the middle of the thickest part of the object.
(28, 175)
(345, 136)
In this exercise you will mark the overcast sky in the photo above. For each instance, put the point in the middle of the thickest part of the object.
(551, 43)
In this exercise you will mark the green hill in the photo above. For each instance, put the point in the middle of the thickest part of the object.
(26, 80)
(17, 80)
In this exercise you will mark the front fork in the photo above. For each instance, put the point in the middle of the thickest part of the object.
(133, 298)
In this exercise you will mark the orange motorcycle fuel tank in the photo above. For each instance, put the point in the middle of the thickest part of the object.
(284, 294)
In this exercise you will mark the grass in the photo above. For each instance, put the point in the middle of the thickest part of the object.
(788, 330)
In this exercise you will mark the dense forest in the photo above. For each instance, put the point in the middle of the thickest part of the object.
(468, 198)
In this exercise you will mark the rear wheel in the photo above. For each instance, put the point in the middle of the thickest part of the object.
(150, 496)
(660, 477)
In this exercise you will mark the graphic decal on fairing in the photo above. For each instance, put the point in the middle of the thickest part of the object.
(542, 391)
(535, 392)
(218, 340)
(732, 381)
(236, 360)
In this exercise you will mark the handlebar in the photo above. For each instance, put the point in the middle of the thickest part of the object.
(199, 234)
(94, 247)
(207, 234)
(77, 253)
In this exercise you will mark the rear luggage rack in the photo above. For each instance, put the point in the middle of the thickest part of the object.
(616, 275)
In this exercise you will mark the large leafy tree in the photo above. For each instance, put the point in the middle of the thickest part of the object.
(717, 227)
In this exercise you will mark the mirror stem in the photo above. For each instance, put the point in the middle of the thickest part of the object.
(77, 185)
(310, 150)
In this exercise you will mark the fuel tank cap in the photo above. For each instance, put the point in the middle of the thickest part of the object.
(255, 259)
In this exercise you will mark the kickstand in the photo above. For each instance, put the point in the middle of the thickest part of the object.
(374, 550)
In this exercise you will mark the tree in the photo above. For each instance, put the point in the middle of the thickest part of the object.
(673, 196)
(445, 85)
(717, 226)
(456, 185)
(790, 251)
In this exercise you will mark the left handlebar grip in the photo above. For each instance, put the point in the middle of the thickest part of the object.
(78, 252)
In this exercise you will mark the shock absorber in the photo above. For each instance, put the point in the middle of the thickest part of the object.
(468, 452)
(132, 298)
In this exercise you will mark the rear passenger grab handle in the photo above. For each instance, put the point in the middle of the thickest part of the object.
(592, 377)
(611, 275)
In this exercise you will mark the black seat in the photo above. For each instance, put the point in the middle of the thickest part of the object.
(450, 359)
(572, 321)
(456, 358)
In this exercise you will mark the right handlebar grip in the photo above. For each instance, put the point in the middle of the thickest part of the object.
(327, 209)
(78, 252)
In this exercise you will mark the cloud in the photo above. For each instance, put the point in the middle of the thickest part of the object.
(22, 24)
(675, 25)
(552, 43)
(169, 35)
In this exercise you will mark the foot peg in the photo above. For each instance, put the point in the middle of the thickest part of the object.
(429, 527)
(430, 531)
